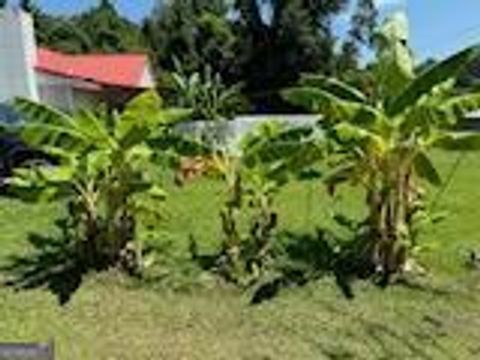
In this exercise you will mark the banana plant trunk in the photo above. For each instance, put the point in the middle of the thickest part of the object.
(389, 225)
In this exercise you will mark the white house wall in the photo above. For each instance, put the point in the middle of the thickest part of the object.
(55, 91)
(64, 93)
(17, 56)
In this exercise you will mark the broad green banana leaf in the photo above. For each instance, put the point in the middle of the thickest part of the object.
(425, 169)
(458, 142)
(334, 86)
(425, 83)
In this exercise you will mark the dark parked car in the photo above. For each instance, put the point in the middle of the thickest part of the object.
(14, 152)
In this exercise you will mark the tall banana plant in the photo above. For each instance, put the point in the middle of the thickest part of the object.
(104, 169)
(382, 140)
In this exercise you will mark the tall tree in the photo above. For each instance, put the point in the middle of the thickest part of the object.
(195, 32)
(265, 44)
(100, 29)
(280, 39)
(108, 30)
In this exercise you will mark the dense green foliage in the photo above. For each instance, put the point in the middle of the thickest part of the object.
(295, 37)
(196, 33)
(264, 45)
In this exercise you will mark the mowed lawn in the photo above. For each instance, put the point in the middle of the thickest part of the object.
(187, 314)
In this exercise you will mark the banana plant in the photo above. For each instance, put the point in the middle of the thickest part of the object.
(381, 140)
(206, 93)
(104, 170)
(268, 158)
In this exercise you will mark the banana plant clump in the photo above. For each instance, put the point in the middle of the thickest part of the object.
(104, 171)
(381, 139)
(269, 157)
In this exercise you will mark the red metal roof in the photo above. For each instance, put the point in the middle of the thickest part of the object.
(119, 70)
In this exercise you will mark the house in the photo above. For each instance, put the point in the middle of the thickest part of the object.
(65, 81)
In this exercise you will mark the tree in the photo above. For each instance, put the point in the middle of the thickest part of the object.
(274, 50)
(383, 138)
(196, 32)
(109, 32)
(265, 45)
(3, 3)
(101, 29)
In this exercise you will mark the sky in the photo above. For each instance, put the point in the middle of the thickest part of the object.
(438, 27)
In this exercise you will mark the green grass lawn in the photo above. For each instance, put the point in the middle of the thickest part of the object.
(190, 315)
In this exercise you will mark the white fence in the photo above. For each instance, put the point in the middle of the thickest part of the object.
(229, 133)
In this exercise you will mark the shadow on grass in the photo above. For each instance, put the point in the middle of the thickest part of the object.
(52, 264)
(297, 259)
(302, 258)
